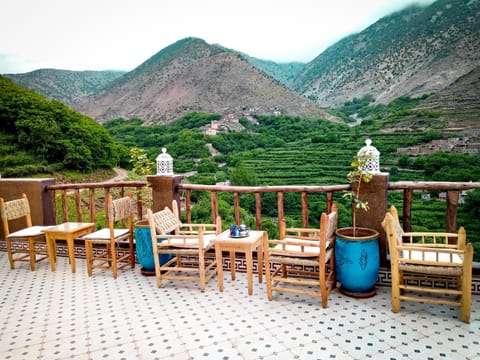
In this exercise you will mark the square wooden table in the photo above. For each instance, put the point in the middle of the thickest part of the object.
(224, 242)
(67, 231)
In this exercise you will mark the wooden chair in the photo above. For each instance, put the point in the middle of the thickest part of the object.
(109, 238)
(33, 235)
(306, 258)
(188, 243)
(434, 264)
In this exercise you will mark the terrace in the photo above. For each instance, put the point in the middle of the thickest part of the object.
(63, 315)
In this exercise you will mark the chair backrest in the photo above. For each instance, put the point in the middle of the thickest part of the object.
(328, 223)
(425, 239)
(392, 226)
(166, 221)
(321, 238)
(120, 210)
(15, 209)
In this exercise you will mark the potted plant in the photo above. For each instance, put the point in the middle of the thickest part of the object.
(357, 257)
(142, 166)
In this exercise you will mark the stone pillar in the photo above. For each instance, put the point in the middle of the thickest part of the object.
(39, 198)
(375, 192)
(164, 190)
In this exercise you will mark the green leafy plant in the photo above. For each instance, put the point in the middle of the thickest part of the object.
(358, 175)
(142, 166)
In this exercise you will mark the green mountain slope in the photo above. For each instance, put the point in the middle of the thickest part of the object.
(38, 135)
(65, 85)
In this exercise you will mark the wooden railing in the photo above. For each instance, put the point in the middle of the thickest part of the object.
(97, 193)
(95, 196)
(452, 189)
(257, 191)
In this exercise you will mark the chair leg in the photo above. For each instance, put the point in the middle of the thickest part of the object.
(467, 285)
(158, 274)
(10, 254)
(268, 276)
(132, 253)
(31, 252)
(323, 286)
(113, 256)
(201, 264)
(284, 270)
(89, 256)
(395, 291)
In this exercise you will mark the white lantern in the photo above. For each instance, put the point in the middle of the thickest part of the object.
(164, 164)
(372, 164)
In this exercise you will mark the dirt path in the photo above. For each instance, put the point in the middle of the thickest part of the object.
(120, 175)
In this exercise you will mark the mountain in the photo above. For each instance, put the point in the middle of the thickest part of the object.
(65, 85)
(193, 76)
(416, 51)
(283, 72)
(459, 103)
(412, 52)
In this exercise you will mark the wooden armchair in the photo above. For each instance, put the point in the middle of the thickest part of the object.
(109, 238)
(432, 263)
(188, 243)
(306, 259)
(19, 209)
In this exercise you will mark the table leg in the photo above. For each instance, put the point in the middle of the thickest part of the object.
(260, 260)
(71, 252)
(248, 255)
(51, 248)
(218, 255)
(232, 264)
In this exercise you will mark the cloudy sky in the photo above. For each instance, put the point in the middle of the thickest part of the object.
(121, 34)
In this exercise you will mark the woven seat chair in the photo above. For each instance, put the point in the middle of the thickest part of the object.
(431, 267)
(305, 257)
(33, 235)
(105, 255)
(188, 243)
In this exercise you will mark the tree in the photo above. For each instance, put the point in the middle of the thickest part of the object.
(241, 176)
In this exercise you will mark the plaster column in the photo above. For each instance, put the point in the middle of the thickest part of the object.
(164, 190)
(375, 193)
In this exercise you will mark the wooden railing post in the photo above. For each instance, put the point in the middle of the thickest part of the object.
(280, 211)
(451, 215)
(407, 209)
(258, 210)
(304, 209)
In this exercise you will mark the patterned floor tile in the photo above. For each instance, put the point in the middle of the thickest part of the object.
(60, 315)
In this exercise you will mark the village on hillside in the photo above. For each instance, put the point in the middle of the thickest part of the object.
(458, 145)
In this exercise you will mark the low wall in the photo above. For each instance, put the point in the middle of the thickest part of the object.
(40, 200)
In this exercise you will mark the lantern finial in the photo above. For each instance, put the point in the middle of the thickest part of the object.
(372, 155)
(164, 163)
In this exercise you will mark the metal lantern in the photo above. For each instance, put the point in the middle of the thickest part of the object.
(372, 163)
(164, 163)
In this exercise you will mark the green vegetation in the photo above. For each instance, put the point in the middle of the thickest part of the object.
(45, 137)
(41, 136)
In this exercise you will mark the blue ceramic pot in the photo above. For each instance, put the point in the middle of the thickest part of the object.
(357, 261)
(143, 248)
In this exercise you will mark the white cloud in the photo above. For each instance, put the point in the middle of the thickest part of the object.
(117, 34)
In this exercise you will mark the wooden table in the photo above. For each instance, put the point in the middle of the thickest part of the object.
(67, 231)
(224, 242)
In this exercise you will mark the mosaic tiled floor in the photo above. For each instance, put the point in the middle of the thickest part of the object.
(60, 315)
